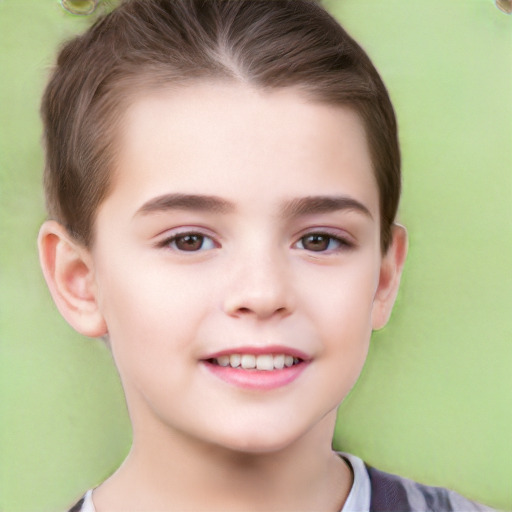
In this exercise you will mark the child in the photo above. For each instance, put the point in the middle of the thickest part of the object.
(222, 180)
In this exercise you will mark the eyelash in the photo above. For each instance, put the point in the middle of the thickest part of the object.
(340, 243)
(172, 241)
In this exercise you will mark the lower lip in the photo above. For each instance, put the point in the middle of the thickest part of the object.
(257, 379)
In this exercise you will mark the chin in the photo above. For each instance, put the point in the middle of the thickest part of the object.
(259, 446)
(264, 440)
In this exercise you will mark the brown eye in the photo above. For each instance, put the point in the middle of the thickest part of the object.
(322, 242)
(189, 242)
(317, 242)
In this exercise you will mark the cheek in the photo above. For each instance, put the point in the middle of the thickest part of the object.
(153, 322)
(341, 309)
(341, 297)
(152, 311)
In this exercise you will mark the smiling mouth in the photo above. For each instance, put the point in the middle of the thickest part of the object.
(262, 362)
(258, 369)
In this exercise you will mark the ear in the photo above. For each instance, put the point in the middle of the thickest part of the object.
(389, 279)
(69, 272)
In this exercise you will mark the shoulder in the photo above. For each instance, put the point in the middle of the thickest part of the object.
(394, 493)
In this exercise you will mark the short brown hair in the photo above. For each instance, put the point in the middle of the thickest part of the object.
(157, 43)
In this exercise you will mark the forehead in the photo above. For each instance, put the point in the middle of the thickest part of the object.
(228, 139)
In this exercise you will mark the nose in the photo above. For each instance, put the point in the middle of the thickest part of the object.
(259, 287)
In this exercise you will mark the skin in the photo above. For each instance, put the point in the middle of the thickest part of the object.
(254, 277)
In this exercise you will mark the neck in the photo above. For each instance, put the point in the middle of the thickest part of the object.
(185, 474)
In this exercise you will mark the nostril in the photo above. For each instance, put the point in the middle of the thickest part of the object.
(260, 311)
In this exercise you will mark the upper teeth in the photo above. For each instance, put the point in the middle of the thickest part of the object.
(260, 362)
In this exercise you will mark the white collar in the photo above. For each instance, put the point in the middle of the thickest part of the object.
(358, 499)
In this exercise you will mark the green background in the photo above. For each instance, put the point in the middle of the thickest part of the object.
(435, 399)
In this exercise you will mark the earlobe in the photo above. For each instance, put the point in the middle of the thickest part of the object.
(69, 273)
(389, 279)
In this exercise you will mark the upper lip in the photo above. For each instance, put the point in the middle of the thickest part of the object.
(267, 349)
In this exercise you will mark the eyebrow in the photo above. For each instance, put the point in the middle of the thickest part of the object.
(185, 202)
(294, 208)
(323, 204)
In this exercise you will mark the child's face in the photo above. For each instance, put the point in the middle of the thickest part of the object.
(243, 223)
